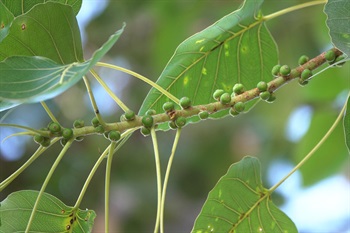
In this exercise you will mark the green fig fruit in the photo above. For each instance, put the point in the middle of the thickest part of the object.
(147, 121)
(225, 98)
(185, 102)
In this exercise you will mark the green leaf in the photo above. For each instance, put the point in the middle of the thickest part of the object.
(239, 203)
(21, 7)
(48, 30)
(52, 214)
(338, 21)
(33, 79)
(346, 124)
(6, 19)
(237, 48)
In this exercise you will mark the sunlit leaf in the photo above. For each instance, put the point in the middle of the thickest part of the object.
(346, 124)
(6, 19)
(33, 79)
(240, 203)
(17, 7)
(338, 21)
(237, 48)
(48, 30)
(52, 214)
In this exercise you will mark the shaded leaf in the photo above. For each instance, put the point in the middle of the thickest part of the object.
(338, 21)
(48, 30)
(346, 124)
(239, 203)
(33, 79)
(21, 7)
(6, 19)
(237, 48)
(52, 214)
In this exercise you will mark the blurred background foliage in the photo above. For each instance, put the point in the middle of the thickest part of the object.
(282, 132)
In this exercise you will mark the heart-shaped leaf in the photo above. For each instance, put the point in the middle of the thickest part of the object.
(239, 203)
(338, 21)
(33, 79)
(48, 30)
(236, 49)
(52, 214)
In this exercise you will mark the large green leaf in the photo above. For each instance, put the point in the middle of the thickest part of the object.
(6, 19)
(346, 124)
(52, 214)
(338, 21)
(239, 203)
(33, 79)
(21, 7)
(49, 30)
(237, 48)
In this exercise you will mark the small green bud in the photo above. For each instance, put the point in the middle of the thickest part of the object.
(79, 139)
(95, 122)
(145, 131)
(54, 127)
(46, 142)
(275, 70)
(151, 112)
(114, 135)
(168, 106)
(129, 115)
(180, 121)
(330, 55)
(302, 82)
(185, 102)
(272, 98)
(265, 95)
(285, 70)
(233, 112)
(239, 107)
(217, 94)
(78, 123)
(99, 129)
(203, 115)
(238, 88)
(67, 133)
(38, 139)
(172, 125)
(303, 59)
(225, 98)
(305, 74)
(262, 86)
(147, 121)
(63, 141)
(339, 58)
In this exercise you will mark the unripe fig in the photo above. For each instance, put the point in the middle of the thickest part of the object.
(203, 115)
(168, 106)
(38, 139)
(238, 88)
(265, 95)
(262, 86)
(239, 107)
(147, 121)
(225, 98)
(185, 102)
(233, 112)
(67, 133)
(305, 74)
(180, 121)
(217, 94)
(95, 122)
(172, 125)
(330, 55)
(303, 82)
(78, 123)
(114, 135)
(46, 142)
(285, 70)
(272, 98)
(99, 129)
(303, 59)
(129, 115)
(339, 58)
(275, 70)
(54, 127)
(151, 112)
(145, 131)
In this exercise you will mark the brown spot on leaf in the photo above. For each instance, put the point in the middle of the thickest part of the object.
(23, 26)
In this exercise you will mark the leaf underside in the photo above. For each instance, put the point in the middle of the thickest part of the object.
(33, 79)
(239, 203)
(346, 124)
(52, 214)
(236, 49)
(338, 21)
